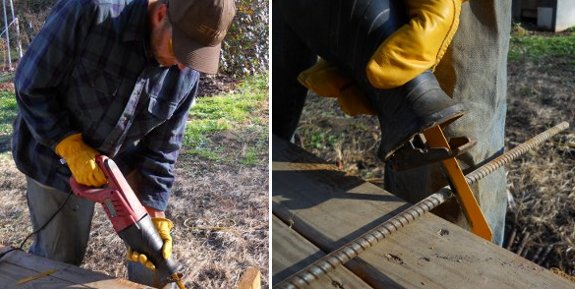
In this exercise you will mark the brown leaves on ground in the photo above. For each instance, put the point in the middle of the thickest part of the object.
(542, 183)
(215, 84)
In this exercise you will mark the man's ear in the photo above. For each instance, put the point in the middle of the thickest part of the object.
(159, 13)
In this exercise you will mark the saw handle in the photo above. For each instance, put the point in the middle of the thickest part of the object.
(117, 197)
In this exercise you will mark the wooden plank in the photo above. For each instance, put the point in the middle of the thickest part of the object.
(10, 276)
(291, 252)
(330, 209)
(17, 265)
(251, 279)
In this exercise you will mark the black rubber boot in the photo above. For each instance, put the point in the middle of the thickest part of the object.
(347, 33)
(410, 109)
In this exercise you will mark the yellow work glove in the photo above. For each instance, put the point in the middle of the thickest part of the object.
(325, 79)
(416, 46)
(353, 102)
(164, 226)
(81, 159)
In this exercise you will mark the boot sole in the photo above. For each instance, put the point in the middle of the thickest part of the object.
(443, 118)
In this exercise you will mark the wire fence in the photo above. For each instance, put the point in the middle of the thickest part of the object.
(20, 20)
(244, 51)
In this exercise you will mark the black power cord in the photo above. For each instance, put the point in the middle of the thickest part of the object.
(39, 229)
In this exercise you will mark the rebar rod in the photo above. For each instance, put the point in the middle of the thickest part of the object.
(357, 246)
(352, 249)
(514, 153)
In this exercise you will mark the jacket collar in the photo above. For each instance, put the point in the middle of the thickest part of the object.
(136, 26)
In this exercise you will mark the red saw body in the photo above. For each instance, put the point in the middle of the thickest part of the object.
(118, 199)
(129, 217)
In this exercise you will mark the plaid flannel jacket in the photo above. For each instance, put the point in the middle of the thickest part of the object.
(89, 70)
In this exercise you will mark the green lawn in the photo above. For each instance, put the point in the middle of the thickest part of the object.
(7, 112)
(241, 115)
(540, 46)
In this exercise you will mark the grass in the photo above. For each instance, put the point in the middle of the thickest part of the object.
(7, 112)
(322, 140)
(6, 77)
(541, 46)
(239, 117)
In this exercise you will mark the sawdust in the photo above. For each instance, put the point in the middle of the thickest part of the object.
(563, 274)
(457, 258)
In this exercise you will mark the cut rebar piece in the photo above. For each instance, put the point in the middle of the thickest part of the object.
(352, 249)
(511, 239)
(545, 254)
(535, 257)
(523, 244)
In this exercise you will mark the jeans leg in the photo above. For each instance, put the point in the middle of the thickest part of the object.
(473, 71)
(65, 237)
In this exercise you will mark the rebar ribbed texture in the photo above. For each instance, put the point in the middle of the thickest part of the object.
(514, 153)
(355, 247)
(352, 249)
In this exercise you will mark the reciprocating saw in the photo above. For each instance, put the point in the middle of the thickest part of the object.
(129, 218)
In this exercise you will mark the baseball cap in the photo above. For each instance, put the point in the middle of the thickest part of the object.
(198, 28)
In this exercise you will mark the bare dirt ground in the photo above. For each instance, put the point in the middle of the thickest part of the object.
(220, 212)
(540, 222)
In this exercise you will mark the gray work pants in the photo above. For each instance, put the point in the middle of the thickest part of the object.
(473, 71)
(66, 236)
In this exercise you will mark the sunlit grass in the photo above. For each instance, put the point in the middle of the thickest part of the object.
(8, 110)
(242, 112)
(539, 47)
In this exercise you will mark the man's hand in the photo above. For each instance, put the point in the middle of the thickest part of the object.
(164, 226)
(81, 159)
(417, 46)
(325, 79)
